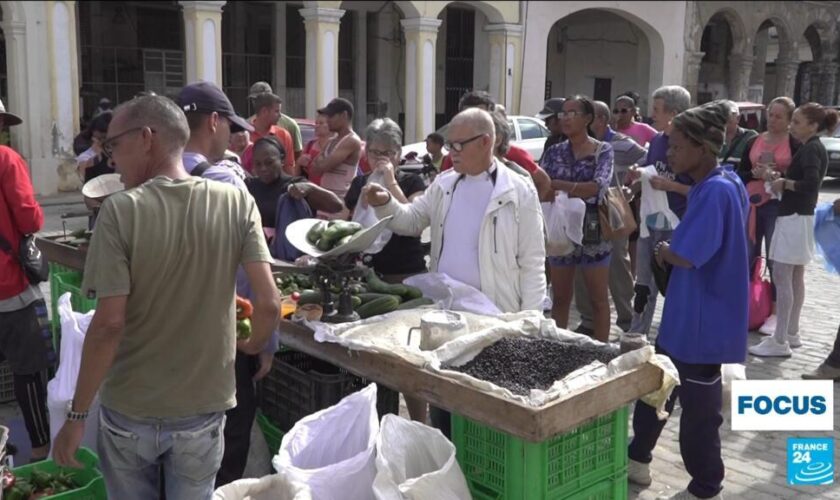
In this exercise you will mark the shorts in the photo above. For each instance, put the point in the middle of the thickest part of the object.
(26, 340)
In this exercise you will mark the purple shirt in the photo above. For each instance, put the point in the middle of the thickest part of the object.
(559, 163)
(215, 172)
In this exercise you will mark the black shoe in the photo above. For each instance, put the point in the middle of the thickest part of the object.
(585, 330)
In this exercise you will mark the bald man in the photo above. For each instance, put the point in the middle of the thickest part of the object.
(486, 222)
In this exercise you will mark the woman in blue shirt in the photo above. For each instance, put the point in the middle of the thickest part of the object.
(704, 323)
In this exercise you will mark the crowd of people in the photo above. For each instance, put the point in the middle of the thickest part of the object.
(209, 194)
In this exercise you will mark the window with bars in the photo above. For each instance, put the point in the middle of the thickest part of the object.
(295, 48)
(460, 52)
(346, 64)
(247, 49)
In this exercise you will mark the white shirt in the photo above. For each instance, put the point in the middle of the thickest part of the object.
(462, 228)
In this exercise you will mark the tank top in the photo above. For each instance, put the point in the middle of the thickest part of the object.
(781, 152)
(338, 179)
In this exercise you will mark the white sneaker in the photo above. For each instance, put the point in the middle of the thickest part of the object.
(769, 326)
(794, 341)
(770, 348)
(638, 472)
(687, 495)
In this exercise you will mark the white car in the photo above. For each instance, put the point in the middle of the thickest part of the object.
(529, 134)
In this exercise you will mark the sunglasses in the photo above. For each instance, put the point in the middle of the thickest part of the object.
(621, 111)
(458, 146)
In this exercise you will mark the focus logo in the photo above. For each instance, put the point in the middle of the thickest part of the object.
(782, 405)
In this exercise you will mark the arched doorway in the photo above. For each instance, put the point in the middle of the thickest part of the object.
(772, 49)
(597, 53)
(808, 78)
(716, 43)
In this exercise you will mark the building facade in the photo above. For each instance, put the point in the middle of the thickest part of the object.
(409, 60)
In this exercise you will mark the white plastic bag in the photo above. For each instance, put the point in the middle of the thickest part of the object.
(728, 373)
(365, 215)
(62, 387)
(274, 487)
(333, 451)
(564, 224)
(654, 211)
(416, 462)
(453, 295)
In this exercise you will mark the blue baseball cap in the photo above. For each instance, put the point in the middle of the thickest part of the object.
(205, 97)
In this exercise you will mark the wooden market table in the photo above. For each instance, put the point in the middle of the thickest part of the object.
(61, 253)
(526, 422)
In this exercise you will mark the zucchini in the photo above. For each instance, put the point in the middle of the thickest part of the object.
(345, 240)
(356, 301)
(415, 303)
(323, 244)
(339, 230)
(376, 285)
(369, 297)
(412, 293)
(310, 297)
(316, 231)
(378, 306)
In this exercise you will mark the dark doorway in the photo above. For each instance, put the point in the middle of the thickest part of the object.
(603, 90)
(460, 50)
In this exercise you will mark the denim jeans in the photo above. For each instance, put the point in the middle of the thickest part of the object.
(132, 451)
(644, 307)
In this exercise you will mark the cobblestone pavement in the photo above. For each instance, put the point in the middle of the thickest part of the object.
(756, 462)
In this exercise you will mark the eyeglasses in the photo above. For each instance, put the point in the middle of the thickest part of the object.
(621, 111)
(109, 144)
(377, 152)
(569, 114)
(458, 146)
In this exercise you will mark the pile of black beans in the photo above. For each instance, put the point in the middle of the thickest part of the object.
(521, 364)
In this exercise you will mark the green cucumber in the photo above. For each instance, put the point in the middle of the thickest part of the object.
(415, 303)
(316, 231)
(378, 306)
(369, 297)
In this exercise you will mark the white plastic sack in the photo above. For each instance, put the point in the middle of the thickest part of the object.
(274, 487)
(728, 373)
(365, 215)
(564, 224)
(654, 205)
(453, 295)
(333, 451)
(62, 387)
(416, 462)
(463, 349)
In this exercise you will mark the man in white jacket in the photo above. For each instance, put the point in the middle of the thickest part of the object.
(486, 223)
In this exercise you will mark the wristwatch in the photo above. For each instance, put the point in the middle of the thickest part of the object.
(75, 416)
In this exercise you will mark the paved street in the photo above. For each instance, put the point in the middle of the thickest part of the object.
(755, 462)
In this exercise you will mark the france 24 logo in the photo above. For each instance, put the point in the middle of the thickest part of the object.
(810, 461)
(782, 405)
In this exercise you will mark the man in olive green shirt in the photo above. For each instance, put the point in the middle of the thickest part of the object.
(736, 138)
(162, 343)
(284, 122)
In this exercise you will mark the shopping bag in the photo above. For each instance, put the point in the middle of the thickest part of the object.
(62, 387)
(365, 215)
(333, 451)
(274, 487)
(556, 215)
(654, 212)
(761, 296)
(416, 462)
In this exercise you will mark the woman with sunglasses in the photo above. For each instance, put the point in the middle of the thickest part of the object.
(624, 113)
(582, 167)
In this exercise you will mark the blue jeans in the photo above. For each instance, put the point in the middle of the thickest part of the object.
(644, 303)
(132, 451)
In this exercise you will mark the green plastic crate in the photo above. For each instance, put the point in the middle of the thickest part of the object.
(500, 466)
(93, 483)
(614, 488)
(273, 435)
(61, 283)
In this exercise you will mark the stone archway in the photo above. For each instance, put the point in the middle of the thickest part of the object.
(726, 64)
(774, 49)
(816, 79)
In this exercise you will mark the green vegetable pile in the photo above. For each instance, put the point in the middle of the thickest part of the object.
(328, 235)
(370, 297)
(38, 485)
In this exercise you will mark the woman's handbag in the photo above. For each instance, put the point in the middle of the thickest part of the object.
(615, 214)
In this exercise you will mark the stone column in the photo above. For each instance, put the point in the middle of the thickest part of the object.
(786, 70)
(828, 82)
(691, 79)
(420, 41)
(203, 37)
(64, 77)
(740, 68)
(505, 63)
(322, 26)
(16, 69)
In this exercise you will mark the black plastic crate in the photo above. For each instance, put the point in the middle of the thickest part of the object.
(7, 383)
(299, 385)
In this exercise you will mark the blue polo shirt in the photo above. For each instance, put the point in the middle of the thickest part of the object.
(706, 306)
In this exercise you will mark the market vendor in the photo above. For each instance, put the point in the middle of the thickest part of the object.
(162, 343)
(486, 221)
(704, 323)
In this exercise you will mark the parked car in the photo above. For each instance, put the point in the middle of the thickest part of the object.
(307, 129)
(832, 146)
(529, 133)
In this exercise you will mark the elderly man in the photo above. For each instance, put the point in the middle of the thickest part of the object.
(668, 102)
(626, 153)
(486, 222)
(163, 336)
(736, 138)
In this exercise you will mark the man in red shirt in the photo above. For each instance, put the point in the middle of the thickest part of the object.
(482, 100)
(267, 107)
(25, 340)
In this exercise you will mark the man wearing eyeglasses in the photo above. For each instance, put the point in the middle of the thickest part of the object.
(485, 220)
(162, 342)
